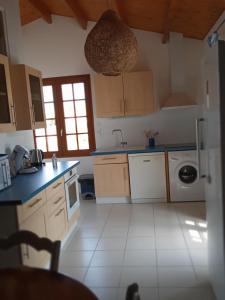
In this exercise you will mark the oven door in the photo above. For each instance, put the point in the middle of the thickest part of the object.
(72, 195)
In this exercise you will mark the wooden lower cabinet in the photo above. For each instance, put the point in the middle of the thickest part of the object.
(112, 180)
(57, 223)
(37, 224)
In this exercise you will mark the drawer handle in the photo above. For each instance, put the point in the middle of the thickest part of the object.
(55, 186)
(147, 160)
(59, 213)
(57, 201)
(36, 202)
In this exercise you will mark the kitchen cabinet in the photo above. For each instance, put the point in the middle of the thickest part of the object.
(7, 110)
(111, 176)
(28, 97)
(129, 94)
(147, 177)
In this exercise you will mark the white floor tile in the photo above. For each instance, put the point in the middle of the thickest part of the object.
(199, 257)
(106, 293)
(173, 258)
(170, 242)
(173, 230)
(94, 232)
(143, 276)
(140, 258)
(107, 258)
(111, 244)
(115, 232)
(75, 258)
(74, 272)
(177, 277)
(140, 243)
(141, 231)
(103, 277)
(181, 294)
(82, 244)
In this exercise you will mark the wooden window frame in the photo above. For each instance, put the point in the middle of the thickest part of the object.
(56, 83)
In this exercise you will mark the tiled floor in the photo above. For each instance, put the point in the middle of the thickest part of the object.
(162, 247)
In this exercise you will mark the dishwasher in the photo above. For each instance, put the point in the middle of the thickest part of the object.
(147, 177)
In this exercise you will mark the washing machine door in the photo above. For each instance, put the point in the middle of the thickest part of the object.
(188, 174)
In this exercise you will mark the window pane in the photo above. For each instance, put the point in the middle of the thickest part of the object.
(67, 92)
(48, 93)
(49, 110)
(40, 132)
(82, 125)
(68, 109)
(52, 143)
(71, 142)
(41, 143)
(70, 125)
(80, 107)
(51, 127)
(79, 92)
(83, 141)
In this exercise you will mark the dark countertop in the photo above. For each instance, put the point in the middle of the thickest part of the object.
(24, 187)
(140, 149)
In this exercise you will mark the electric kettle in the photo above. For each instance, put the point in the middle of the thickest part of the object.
(36, 157)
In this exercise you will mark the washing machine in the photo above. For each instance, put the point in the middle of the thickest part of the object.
(183, 176)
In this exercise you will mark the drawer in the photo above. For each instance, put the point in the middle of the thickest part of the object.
(55, 201)
(110, 159)
(57, 224)
(32, 205)
(55, 188)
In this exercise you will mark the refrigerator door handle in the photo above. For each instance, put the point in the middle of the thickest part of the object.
(198, 146)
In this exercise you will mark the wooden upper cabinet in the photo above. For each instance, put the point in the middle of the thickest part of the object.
(28, 97)
(7, 111)
(109, 96)
(138, 93)
(130, 94)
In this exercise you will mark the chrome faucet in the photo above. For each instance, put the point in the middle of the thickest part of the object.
(122, 143)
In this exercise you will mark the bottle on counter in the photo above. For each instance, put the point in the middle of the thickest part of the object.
(54, 161)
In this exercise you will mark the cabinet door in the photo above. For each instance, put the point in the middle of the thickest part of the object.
(36, 97)
(7, 112)
(36, 224)
(111, 180)
(109, 96)
(57, 224)
(138, 93)
(147, 176)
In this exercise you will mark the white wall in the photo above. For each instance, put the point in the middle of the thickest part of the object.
(8, 141)
(57, 50)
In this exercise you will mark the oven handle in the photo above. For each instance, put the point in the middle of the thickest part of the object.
(73, 178)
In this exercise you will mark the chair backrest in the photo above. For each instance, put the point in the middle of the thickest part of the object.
(31, 239)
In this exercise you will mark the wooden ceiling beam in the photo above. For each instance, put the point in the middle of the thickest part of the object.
(42, 9)
(168, 21)
(77, 12)
(119, 8)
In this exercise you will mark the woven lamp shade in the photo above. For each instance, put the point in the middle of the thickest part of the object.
(111, 47)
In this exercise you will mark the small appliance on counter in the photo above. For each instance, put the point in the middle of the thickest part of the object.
(5, 179)
(36, 157)
(20, 161)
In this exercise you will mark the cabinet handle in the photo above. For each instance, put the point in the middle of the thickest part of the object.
(55, 186)
(125, 173)
(36, 202)
(59, 213)
(147, 160)
(109, 158)
(57, 201)
(33, 112)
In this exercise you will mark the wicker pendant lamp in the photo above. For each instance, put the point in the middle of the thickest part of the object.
(111, 47)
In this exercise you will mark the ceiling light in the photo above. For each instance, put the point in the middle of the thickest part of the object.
(111, 47)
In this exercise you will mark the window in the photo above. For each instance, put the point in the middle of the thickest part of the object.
(69, 117)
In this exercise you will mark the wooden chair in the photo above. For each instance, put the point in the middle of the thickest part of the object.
(31, 239)
(132, 292)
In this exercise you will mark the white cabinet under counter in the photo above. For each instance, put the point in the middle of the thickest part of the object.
(147, 177)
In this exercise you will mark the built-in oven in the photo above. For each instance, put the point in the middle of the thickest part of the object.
(72, 191)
